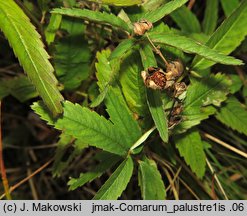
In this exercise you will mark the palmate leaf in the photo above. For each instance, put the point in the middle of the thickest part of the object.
(117, 108)
(116, 184)
(96, 172)
(150, 181)
(200, 95)
(95, 16)
(121, 3)
(72, 55)
(163, 10)
(227, 37)
(186, 20)
(190, 46)
(84, 124)
(30, 51)
(234, 115)
(190, 146)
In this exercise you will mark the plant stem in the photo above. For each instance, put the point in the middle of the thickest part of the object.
(157, 51)
(2, 168)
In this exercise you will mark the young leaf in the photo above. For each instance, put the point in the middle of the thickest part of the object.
(190, 146)
(94, 173)
(116, 184)
(121, 3)
(186, 20)
(163, 10)
(52, 28)
(234, 115)
(95, 16)
(132, 85)
(72, 55)
(227, 37)
(190, 46)
(208, 91)
(150, 181)
(210, 16)
(30, 51)
(229, 6)
(86, 125)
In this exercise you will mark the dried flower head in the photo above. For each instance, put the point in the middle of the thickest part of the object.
(141, 27)
(154, 78)
(179, 89)
(174, 70)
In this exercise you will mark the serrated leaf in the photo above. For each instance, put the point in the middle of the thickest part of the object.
(72, 55)
(229, 6)
(121, 116)
(147, 56)
(190, 146)
(132, 85)
(150, 181)
(50, 31)
(89, 126)
(190, 46)
(122, 49)
(190, 24)
(210, 16)
(95, 16)
(163, 10)
(234, 115)
(116, 184)
(227, 37)
(30, 51)
(96, 172)
(211, 90)
(121, 3)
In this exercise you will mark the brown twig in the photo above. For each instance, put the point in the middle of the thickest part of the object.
(191, 4)
(27, 178)
(2, 168)
(157, 51)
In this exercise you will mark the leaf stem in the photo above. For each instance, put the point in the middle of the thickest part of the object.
(2, 168)
(157, 51)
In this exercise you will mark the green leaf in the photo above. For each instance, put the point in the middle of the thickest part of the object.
(132, 85)
(30, 51)
(150, 181)
(190, 46)
(52, 28)
(95, 16)
(121, 3)
(121, 116)
(72, 56)
(237, 83)
(19, 87)
(163, 10)
(186, 20)
(96, 172)
(211, 90)
(227, 37)
(84, 124)
(158, 114)
(210, 17)
(122, 49)
(190, 146)
(234, 115)
(147, 56)
(229, 6)
(116, 184)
